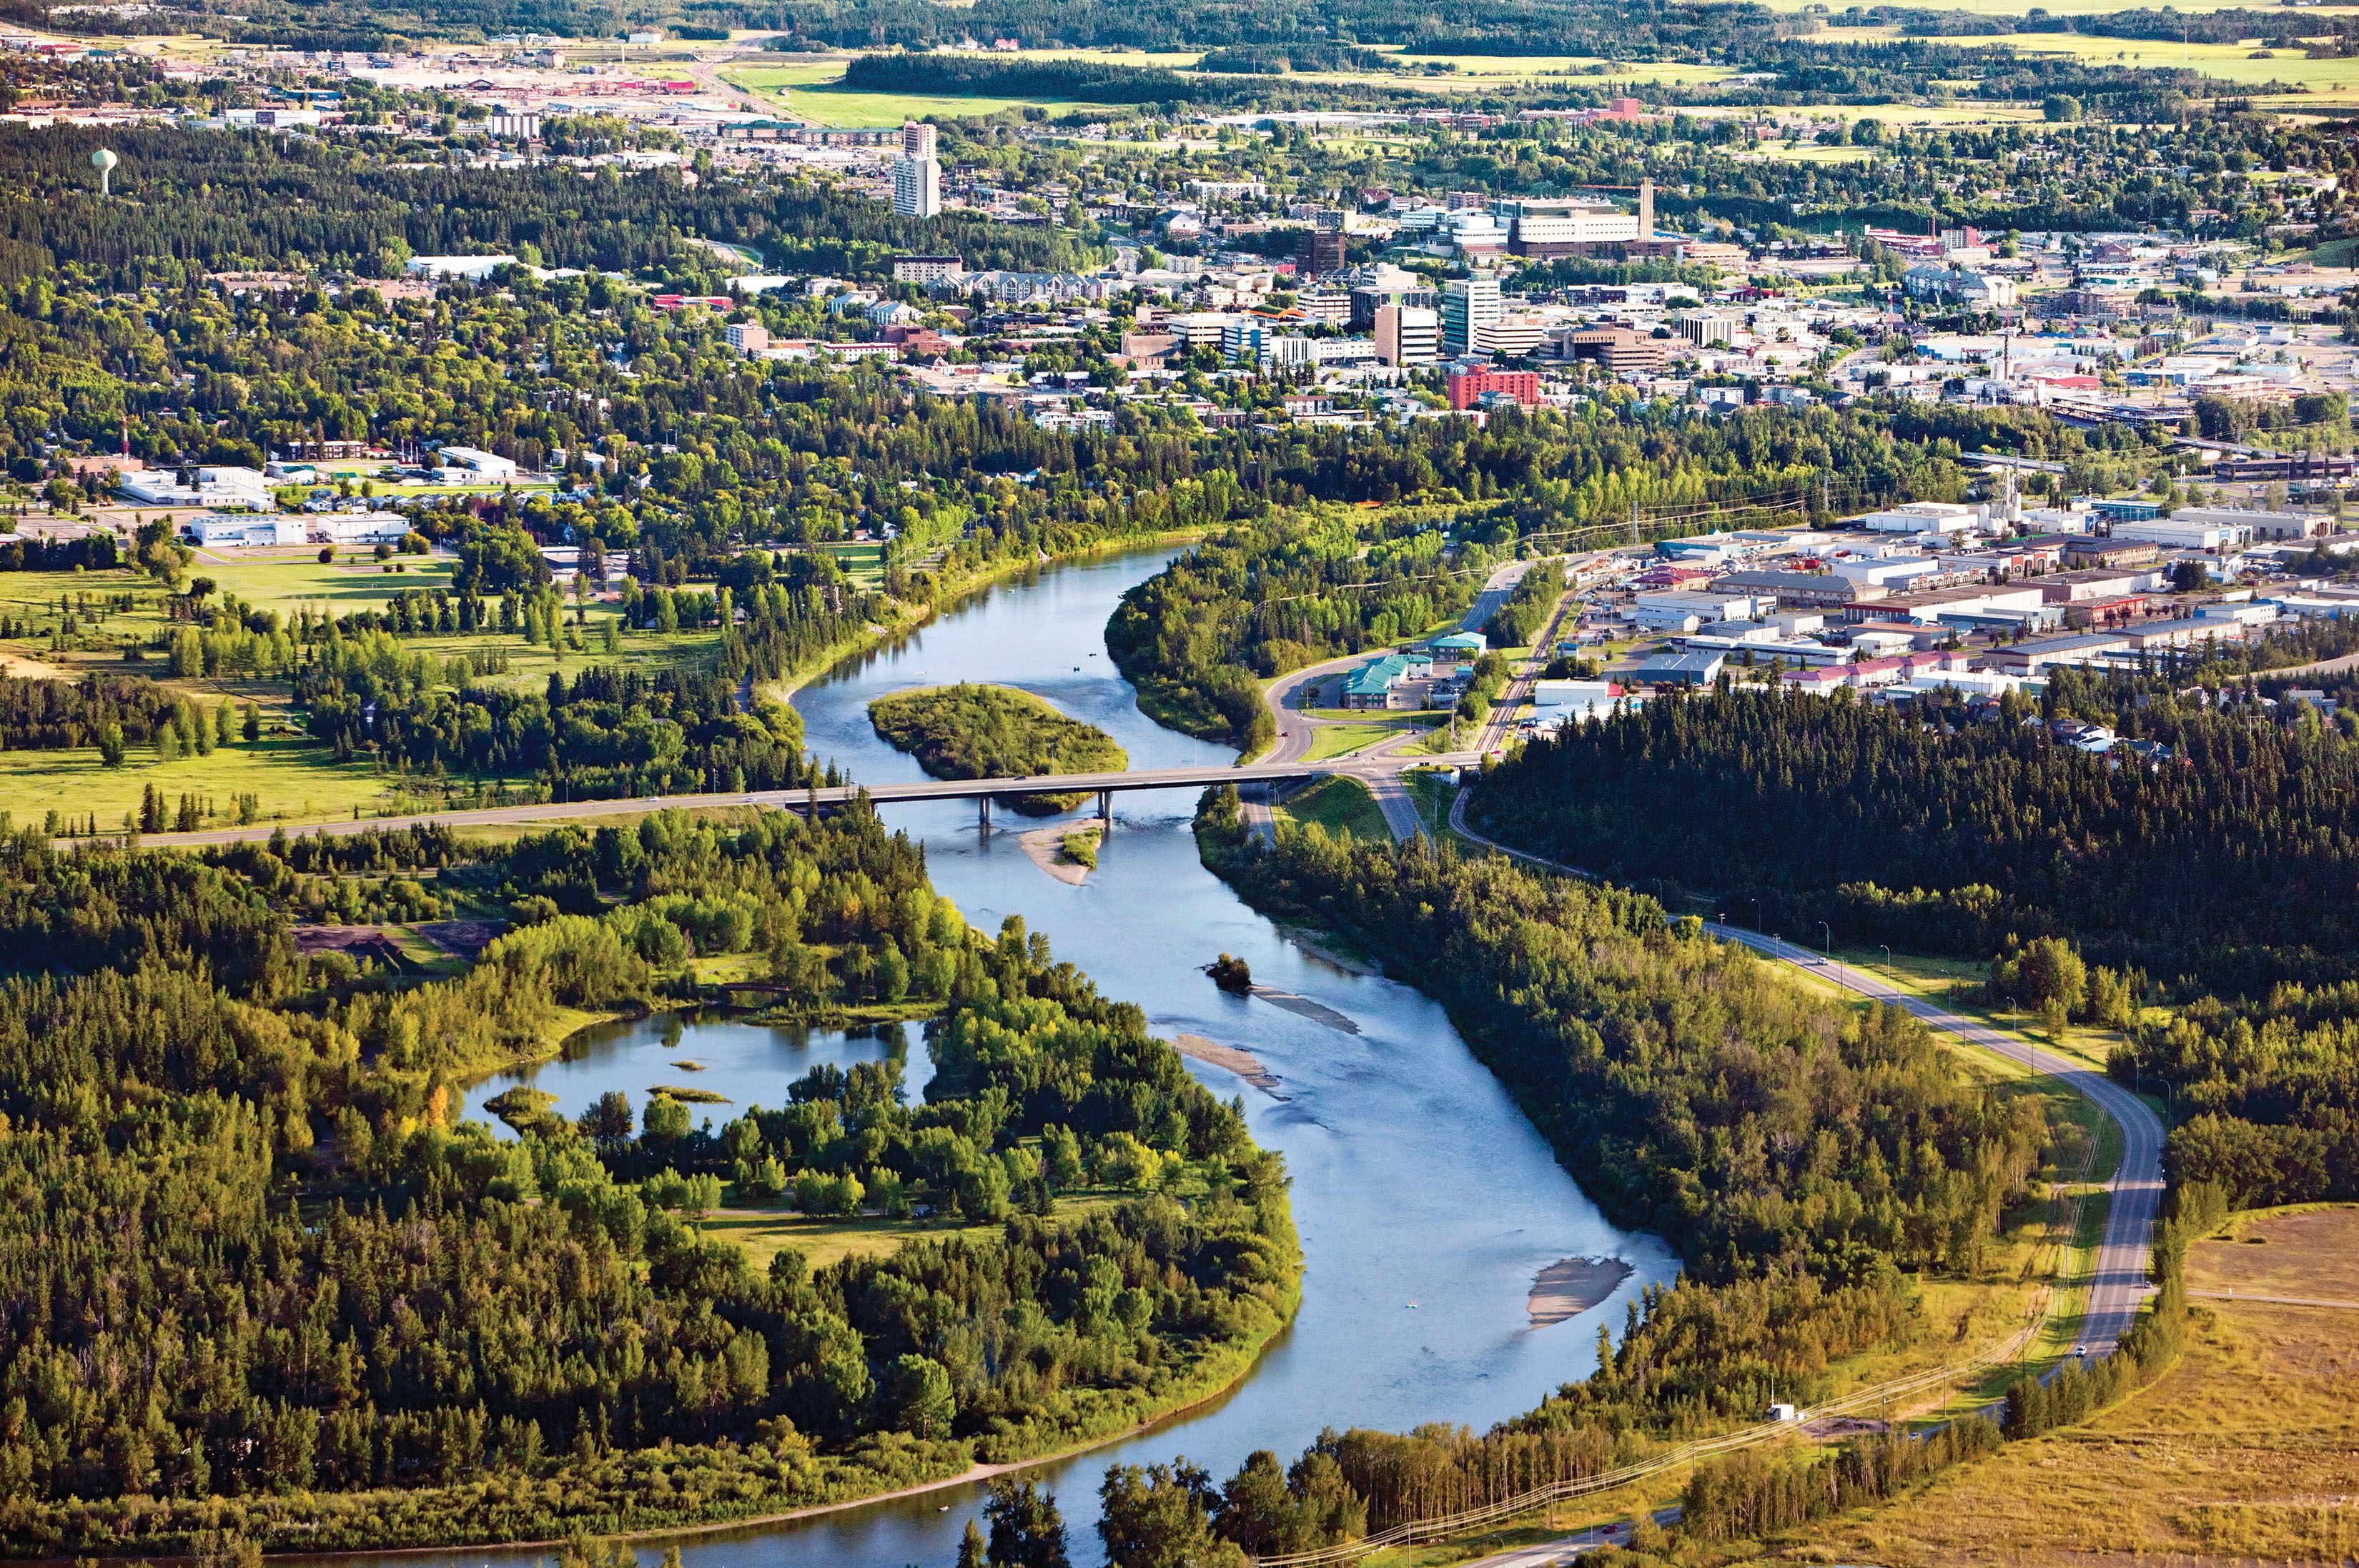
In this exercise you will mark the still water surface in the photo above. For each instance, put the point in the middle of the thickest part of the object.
(1425, 1202)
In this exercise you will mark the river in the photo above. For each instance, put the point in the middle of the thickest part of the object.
(1425, 1202)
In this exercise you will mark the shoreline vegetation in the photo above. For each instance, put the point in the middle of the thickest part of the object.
(980, 732)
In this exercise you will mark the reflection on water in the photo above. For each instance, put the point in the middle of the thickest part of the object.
(745, 1063)
(1427, 1205)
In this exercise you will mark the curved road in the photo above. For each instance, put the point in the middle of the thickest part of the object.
(2119, 1286)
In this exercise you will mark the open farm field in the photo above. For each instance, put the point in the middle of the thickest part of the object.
(2240, 1453)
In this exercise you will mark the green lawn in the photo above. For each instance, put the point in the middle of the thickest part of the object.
(1340, 805)
(1341, 740)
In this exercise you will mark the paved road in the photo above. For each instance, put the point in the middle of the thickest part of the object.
(1541, 1554)
(2119, 1287)
(1496, 588)
(1296, 729)
(2316, 667)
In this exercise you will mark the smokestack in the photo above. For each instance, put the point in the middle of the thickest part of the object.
(1646, 210)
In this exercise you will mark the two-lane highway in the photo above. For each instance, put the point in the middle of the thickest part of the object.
(2120, 1284)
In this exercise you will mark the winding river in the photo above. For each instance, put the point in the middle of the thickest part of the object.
(1426, 1203)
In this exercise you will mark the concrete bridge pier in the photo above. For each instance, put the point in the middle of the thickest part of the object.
(1106, 808)
(983, 803)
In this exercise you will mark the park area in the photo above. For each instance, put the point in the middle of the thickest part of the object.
(119, 625)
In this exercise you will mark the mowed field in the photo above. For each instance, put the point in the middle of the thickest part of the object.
(293, 778)
(2245, 1452)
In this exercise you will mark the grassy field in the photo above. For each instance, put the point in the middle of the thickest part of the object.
(762, 1233)
(1339, 805)
(2241, 1452)
(1341, 740)
(294, 779)
(2229, 63)
(1809, 152)
(806, 92)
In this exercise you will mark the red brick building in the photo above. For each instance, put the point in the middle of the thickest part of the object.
(1468, 387)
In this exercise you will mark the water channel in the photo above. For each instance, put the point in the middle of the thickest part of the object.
(1425, 1202)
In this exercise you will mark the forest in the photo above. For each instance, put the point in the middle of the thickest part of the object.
(2210, 875)
(260, 1280)
(980, 732)
(2218, 865)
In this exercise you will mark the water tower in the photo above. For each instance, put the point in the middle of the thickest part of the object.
(103, 161)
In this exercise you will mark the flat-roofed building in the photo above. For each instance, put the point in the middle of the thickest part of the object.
(1814, 590)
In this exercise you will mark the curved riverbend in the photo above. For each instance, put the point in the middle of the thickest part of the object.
(1426, 1205)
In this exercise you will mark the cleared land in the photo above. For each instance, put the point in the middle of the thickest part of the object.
(2229, 63)
(1339, 805)
(763, 1233)
(2241, 1452)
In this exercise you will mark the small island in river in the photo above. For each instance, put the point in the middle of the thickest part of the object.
(969, 731)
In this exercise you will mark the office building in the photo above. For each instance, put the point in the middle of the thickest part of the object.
(1544, 229)
(1407, 335)
(1619, 350)
(748, 336)
(1322, 251)
(1470, 306)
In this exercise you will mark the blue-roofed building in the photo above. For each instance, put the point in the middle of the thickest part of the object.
(1460, 646)
(1378, 683)
(2126, 511)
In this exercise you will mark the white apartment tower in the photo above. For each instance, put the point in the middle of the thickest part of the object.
(917, 176)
